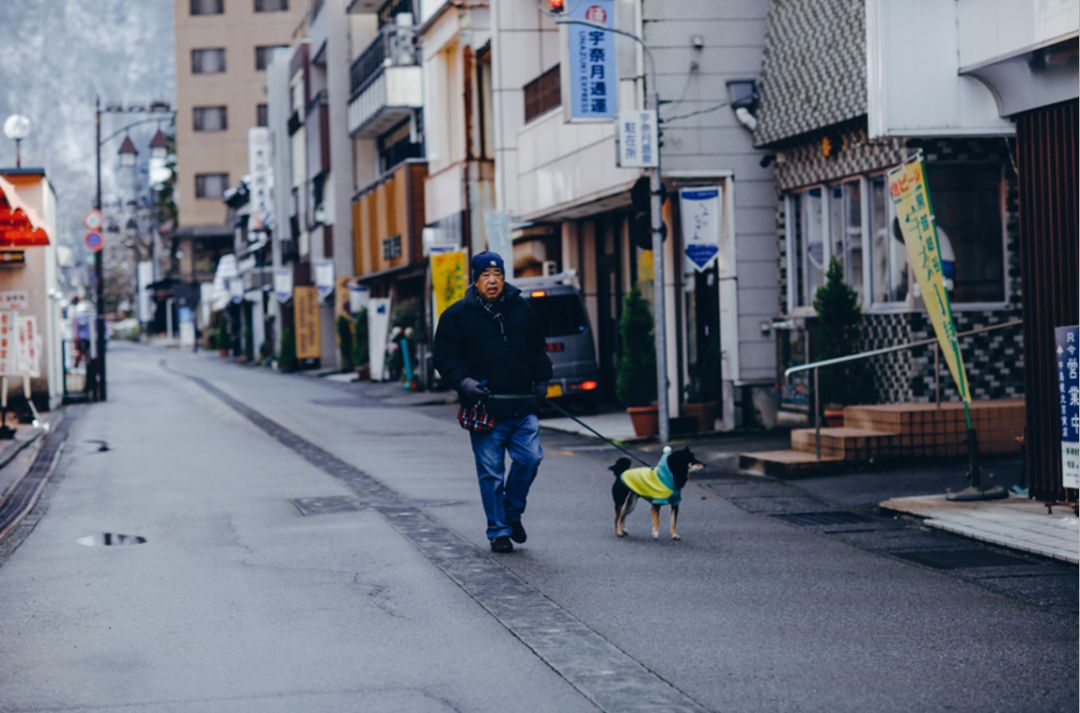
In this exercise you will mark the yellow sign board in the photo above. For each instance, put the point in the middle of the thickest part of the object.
(449, 279)
(915, 213)
(306, 319)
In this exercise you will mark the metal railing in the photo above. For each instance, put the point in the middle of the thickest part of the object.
(393, 46)
(817, 365)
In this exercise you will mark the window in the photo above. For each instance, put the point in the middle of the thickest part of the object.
(211, 185)
(966, 200)
(208, 61)
(211, 118)
(561, 315)
(845, 231)
(808, 259)
(207, 7)
(543, 94)
(399, 144)
(262, 115)
(888, 254)
(271, 5)
(391, 248)
(263, 55)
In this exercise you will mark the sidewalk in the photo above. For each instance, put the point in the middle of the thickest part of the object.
(1017, 523)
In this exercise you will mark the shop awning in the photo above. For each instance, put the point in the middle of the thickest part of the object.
(20, 225)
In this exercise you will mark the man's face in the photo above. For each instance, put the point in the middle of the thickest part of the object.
(490, 284)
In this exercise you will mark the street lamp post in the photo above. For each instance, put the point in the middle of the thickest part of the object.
(657, 224)
(128, 152)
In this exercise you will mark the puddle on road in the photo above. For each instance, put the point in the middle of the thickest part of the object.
(109, 539)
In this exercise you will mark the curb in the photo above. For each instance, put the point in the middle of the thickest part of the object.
(23, 494)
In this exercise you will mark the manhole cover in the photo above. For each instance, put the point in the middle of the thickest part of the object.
(108, 539)
(813, 519)
(959, 559)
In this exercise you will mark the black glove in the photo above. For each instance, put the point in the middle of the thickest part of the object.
(540, 389)
(473, 390)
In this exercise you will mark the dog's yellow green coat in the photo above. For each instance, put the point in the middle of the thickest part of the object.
(655, 484)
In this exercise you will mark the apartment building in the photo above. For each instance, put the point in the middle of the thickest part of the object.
(222, 50)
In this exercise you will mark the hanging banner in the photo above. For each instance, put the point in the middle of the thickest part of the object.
(1068, 369)
(187, 326)
(28, 362)
(359, 295)
(9, 354)
(306, 319)
(449, 279)
(324, 278)
(378, 316)
(283, 284)
(699, 214)
(592, 78)
(636, 139)
(261, 182)
(144, 276)
(915, 213)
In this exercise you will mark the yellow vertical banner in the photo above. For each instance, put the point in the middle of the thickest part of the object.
(449, 279)
(306, 319)
(915, 213)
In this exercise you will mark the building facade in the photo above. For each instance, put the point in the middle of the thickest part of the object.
(573, 207)
(834, 202)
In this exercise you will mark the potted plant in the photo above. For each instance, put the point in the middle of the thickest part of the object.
(703, 391)
(345, 341)
(360, 346)
(287, 357)
(635, 379)
(223, 338)
(838, 332)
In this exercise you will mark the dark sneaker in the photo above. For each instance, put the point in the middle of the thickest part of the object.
(502, 545)
(518, 535)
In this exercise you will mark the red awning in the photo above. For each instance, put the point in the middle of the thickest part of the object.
(20, 225)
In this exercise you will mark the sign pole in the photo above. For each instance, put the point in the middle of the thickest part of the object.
(657, 224)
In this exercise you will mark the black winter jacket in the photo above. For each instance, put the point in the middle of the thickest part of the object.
(470, 343)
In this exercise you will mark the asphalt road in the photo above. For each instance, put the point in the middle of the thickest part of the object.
(310, 548)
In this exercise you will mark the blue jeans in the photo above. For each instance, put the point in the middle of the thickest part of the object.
(504, 495)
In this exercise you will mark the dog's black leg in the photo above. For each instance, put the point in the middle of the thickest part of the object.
(675, 522)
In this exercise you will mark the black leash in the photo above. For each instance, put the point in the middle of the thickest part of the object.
(575, 419)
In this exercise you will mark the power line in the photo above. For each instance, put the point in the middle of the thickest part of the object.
(694, 113)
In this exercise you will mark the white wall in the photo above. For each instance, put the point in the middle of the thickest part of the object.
(914, 50)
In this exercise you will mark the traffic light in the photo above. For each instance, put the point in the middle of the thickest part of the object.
(641, 215)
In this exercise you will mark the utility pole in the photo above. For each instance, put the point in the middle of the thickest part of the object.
(99, 267)
(657, 225)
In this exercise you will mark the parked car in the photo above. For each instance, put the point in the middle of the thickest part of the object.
(558, 302)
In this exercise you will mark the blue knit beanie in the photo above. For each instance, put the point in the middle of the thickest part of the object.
(484, 260)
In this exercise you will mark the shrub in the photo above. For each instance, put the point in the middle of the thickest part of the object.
(635, 380)
(287, 356)
(345, 342)
(839, 333)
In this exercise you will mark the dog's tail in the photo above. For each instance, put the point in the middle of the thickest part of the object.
(620, 466)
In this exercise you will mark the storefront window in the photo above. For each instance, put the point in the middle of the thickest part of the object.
(888, 255)
(967, 207)
(806, 242)
(845, 230)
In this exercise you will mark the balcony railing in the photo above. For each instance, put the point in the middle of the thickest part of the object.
(393, 46)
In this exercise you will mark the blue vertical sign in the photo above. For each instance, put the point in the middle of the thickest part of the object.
(591, 61)
(1068, 369)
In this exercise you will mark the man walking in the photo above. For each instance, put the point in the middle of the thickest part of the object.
(490, 346)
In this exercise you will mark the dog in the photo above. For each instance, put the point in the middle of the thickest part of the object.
(661, 485)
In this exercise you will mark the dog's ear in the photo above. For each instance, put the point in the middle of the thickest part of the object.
(620, 465)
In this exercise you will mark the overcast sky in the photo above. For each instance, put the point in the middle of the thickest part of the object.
(56, 55)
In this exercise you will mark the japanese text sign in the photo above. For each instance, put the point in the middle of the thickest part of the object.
(1068, 370)
(448, 279)
(907, 185)
(637, 139)
(699, 210)
(591, 62)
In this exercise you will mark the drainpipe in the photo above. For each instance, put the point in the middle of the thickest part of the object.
(468, 62)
